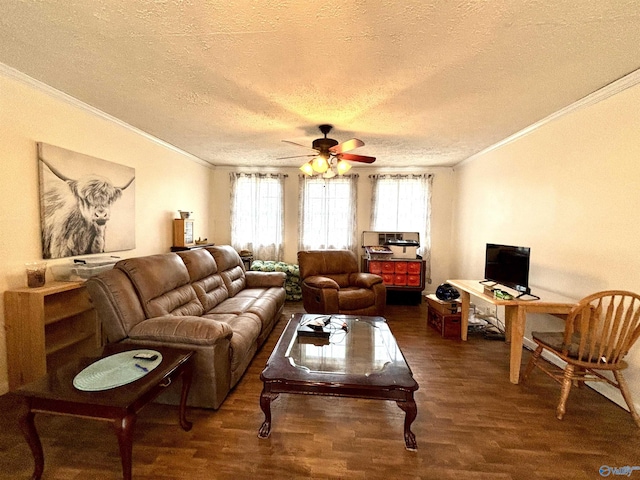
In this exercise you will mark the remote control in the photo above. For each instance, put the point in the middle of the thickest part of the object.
(146, 356)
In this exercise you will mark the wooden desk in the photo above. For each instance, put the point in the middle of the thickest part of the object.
(515, 315)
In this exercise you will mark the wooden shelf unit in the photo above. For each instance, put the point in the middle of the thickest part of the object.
(47, 327)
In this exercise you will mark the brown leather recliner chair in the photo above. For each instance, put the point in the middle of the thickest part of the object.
(332, 283)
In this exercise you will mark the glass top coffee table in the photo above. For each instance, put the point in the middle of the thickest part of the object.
(360, 358)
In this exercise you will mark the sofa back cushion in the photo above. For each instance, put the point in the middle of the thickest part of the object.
(230, 267)
(116, 303)
(335, 264)
(162, 283)
(204, 277)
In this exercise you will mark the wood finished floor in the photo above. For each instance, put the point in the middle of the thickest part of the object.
(472, 424)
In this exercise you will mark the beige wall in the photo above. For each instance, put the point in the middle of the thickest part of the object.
(442, 204)
(570, 190)
(166, 180)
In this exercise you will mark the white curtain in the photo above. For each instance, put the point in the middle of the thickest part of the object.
(327, 216)
(257, 214)
(402, 203)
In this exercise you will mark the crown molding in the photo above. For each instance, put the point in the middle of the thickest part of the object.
(617, 86)
(25, 79)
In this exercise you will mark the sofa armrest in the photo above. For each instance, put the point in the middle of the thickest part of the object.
(264, 279)
(318, 281)
(364, 280)
(181, 329)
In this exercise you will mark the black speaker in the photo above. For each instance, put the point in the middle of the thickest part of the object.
(447, 292)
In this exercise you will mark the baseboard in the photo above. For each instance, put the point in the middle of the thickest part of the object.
(608, 391)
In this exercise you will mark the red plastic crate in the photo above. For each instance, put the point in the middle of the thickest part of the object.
(375, 267)
(414, 268)
(413, 280)
(399, 279)
(388, 267)
(387, 278)
(401, 267)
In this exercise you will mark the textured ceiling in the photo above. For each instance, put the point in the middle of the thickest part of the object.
(421, 82)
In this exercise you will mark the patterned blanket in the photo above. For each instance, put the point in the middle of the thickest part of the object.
(291, 284)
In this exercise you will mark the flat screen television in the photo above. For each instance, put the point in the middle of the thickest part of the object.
(508, 265)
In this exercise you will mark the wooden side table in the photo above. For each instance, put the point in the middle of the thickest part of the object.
(55, 394)
(247, 260)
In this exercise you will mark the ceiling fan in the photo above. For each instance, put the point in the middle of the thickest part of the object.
(331, 157)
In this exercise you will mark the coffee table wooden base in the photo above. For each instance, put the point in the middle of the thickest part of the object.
(403, 398)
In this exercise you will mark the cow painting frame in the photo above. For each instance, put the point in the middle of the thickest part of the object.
(87, 205)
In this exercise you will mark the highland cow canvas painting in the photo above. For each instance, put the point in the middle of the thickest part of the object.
(87, 205)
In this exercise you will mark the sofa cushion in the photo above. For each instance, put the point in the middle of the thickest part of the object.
(115, 299)
(364, 280)
(355, 298)
(246, 329)
(210, 291)
(182, 329)
(319, 281)
(199, 263)
(207, 283)
(234, 305)
(266, 307)
(230, 267)
(264, 279)
(162, 283)
(327, 263)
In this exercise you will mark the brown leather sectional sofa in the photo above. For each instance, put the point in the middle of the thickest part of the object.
(201, 300)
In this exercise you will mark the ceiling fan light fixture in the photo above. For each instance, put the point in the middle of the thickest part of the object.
(320, 164)
(343, 167)
(307, 169)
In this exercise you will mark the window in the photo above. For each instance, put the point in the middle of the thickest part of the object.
(402, 203)
(257, 214)
(328, 213)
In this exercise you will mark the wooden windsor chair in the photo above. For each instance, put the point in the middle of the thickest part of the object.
(600, 330)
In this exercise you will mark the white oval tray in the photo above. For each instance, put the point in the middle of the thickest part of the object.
(115, 370)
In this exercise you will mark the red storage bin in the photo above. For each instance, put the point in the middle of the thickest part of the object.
(388, 267)
(414, 268)
(399, 279)
(387, 278)
(401, 267)
(413, 280)
(375, 267)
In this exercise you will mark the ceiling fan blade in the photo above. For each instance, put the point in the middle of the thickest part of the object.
(298, 144)
(355, 158)
(347, 146)
(298, 156)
